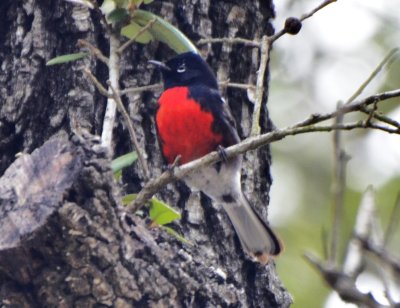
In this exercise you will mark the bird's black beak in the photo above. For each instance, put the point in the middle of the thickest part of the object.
(160, 65)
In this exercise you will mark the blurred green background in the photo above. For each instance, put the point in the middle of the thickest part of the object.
(326, 62)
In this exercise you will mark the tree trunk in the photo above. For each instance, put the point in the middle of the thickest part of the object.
(64, 239)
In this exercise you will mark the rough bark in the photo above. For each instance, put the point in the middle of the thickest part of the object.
(80, 249)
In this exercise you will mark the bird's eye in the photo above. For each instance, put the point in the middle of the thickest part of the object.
(181, 68)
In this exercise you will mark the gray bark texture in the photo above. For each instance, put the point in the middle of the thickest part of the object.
(65, 239)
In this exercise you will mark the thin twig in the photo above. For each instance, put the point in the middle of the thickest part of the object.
(96, 82)
(113, 73)
(371, 113)
(244, 86)
(114, 95)
(282, 32)
(355, 106)
(131, 131)
(394, 219)
(339, 184)
(374, 73)
(382, 118)
(353, 260)
(94, 51)
(232, 40)
(264, 57)
(343, 284)
(141, 89)
(158, 86)
(382, 254)
(318, 8)
(133, 39)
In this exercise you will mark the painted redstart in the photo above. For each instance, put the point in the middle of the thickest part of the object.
(193, 120)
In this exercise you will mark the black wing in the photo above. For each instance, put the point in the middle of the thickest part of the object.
(224, 123)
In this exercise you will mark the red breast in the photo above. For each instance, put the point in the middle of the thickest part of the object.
(183, 127)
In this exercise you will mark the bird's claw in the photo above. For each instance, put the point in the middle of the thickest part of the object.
(222, 153)
(170, 168)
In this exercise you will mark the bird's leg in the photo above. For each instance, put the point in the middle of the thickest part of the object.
(222, 153)
(171, 167)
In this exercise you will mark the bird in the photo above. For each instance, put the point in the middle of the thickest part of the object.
(192, 119)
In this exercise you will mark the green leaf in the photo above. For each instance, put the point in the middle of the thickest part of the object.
(161, 213)
(123, 161)
(177, 235)
(117, 175)
(128, 199)
(164, 32)
(85, 3)
(107, 7)
(133, 29)
(147, 1)
(117, 15)
(67, 58)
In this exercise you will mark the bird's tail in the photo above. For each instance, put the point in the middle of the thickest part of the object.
(256, 237)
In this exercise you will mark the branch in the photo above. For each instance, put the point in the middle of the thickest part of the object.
(121, 49)
(131, 131)
(381, 118)
(114, 95)
(158, 86)
(109, 117)
(255, 142)
(394, 218)
(355, 106)
(353, 260)
(374, 73)
(318, 8)
(141, 89)
(233, 40)
(244, 86)
(94, 51)
(339, 187)
(96, 82)
(343, 284)
(264, 52)
(301, 19)
(381, 253)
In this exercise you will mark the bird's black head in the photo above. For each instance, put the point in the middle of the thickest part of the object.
(186, 69)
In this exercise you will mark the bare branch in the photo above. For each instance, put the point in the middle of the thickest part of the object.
(233, 40)
(394, 218)
(381, 118)
(255, 142)
(355, 106)
(244, 86)
(131, 130)
(94, 51)
(374, 73)
(141, 89)
(109, 117)
(339, 186)
(343, 284)
(354, 255)
(282, 32)
(248, 144)
(96, 82)
(133, 39)
(264, 57)
(318, 8)
(381, 253)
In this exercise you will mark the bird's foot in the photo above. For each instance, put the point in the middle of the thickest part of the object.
(222, 153)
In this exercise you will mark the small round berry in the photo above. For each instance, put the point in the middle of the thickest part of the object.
(292, 25)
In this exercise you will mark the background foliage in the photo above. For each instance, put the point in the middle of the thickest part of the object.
(326, 62)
